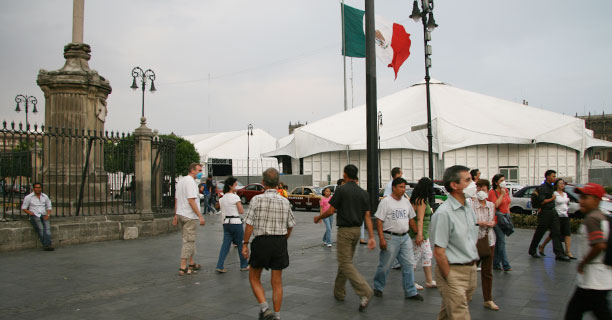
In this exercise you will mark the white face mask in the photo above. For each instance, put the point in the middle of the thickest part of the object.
(481, 195)
(470, 191)
(503, 184)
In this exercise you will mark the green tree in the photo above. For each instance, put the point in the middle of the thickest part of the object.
(186, 154)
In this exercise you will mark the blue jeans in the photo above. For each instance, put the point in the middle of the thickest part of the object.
(500, 257)
(362, 236)
(43, 229)
(399, 247)
(232, 233)
(328, 229)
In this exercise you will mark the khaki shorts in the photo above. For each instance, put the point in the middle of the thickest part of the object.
(188, 228)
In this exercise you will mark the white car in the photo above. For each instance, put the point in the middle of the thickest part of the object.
(521, 202)
(513, 187)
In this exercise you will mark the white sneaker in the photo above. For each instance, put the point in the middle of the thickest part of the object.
(329, 245)
(478, 269)
(418, 286)
(431, 284)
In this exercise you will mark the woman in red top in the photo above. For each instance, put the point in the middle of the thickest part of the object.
(500, 197)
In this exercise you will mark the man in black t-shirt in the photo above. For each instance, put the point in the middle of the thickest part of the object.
(353, 207)
(548, 219)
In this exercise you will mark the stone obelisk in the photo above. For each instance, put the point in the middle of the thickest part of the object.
(75, 101)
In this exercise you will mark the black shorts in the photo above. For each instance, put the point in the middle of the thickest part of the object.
(564, 224)
(269, 252)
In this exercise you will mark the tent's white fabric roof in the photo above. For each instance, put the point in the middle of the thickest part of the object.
(233, 144)
(460, 118)
(599, 164)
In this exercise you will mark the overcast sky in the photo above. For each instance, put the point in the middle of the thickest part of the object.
(273, 62)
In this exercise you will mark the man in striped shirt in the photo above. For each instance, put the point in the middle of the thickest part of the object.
(270, 219)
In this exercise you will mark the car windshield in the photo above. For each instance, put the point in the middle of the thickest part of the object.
(318, 190)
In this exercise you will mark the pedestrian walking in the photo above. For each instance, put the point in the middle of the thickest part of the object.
(485, 217)
(281, 190)
(323, 206)
(186, 216)
(453, 231)
(395, 173)
(353, 210)
(475, 173)
(594, 278)
(562, 201)
(270, 220)
(211, 191)
(500, 197)
(231, 209)
(394, 217)
(421, 196)
(548, 219)
(38, 207)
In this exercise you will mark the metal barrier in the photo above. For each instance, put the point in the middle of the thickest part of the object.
(83, 172)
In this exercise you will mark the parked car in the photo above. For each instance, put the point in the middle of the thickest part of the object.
(332, 187)
(521, 202)
(440, 193)
(513, 187)
(249, 191)
(305, 197)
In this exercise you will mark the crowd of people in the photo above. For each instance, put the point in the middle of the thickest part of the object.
(467, 233)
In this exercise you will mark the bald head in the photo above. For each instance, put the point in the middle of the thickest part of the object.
(270, 178)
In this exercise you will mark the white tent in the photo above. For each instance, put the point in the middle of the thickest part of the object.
(460, 119)
(234, 145)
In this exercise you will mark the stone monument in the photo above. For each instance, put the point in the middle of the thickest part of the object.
(75, 98)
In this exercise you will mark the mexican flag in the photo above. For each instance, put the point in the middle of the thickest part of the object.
(392, 40)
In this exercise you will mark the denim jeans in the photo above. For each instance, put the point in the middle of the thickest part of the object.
(399, 247)
(232, 233)
(500, 256)
(43, 229)
(362, 236)
(328, 229)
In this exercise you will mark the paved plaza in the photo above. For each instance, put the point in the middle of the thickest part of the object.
(138, 279)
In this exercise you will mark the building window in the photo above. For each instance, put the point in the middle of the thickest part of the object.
(511, 173)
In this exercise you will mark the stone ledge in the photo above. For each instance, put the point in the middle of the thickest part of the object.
(19, 235)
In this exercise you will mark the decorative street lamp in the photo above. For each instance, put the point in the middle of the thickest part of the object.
(249, 134)
(379, 161)
(137, 72)
(429, 24)
(27, 101)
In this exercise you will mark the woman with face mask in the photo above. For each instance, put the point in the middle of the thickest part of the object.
(500, 197)
(485, 217)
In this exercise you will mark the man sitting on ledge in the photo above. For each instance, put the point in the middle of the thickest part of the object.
(38, 206)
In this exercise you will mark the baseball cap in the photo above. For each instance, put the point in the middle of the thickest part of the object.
(593, 189)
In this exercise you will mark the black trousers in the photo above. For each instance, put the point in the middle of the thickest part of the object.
(588, 300)
(547, 219)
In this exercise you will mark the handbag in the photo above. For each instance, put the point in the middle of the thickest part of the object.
(482, 245)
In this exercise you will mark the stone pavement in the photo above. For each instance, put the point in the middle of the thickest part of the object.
(138, 279)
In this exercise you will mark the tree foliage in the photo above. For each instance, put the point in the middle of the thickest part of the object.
(186, 154)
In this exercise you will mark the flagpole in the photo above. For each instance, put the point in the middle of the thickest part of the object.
(343, 52)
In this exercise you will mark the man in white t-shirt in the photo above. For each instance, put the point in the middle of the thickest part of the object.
(186, 215)
(395, 216)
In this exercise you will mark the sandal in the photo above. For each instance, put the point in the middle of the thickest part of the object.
(541, 251)
(195, 266)
(571, 256)
(184, 272)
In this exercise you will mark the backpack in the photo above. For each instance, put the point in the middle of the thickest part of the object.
(536, 203)
(608, 257)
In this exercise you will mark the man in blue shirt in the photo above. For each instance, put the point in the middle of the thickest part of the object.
(454, 232)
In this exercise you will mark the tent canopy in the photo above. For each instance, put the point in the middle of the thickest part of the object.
(460, 118)
(233, 144)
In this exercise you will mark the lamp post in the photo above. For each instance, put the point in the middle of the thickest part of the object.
(137, 72)
(27, 101)
(380, 123)
(429, 24)
(249, 134)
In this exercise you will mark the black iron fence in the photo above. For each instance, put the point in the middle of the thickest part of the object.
(163, 174)
(84, 172)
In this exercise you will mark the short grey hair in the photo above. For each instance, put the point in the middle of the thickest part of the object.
(453, 174)
(270, 177)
